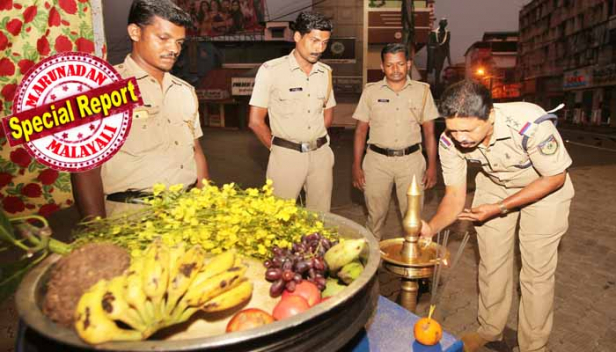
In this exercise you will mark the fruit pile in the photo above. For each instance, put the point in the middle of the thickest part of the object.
(165, 286)
(304, 261)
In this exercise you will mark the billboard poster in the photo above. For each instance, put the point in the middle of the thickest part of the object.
(219, 18)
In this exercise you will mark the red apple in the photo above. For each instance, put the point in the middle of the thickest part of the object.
(290, 306)
(307, 290)
(248, 319)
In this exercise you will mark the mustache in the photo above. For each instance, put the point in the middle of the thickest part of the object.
(169, 56)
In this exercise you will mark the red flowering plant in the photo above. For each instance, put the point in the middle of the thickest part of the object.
(29, 33)
(32, 235)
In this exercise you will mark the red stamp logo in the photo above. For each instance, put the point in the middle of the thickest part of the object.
(72, 112)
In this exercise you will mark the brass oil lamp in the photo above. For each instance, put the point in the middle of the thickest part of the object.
(407, 256)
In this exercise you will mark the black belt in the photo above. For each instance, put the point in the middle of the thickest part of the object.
(300, 147)
(133, 197)
(395, 152)
(136, 197)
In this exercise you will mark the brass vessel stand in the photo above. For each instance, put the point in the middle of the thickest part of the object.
(406, 257)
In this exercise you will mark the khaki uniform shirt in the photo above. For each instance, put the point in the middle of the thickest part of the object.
(395, 118)
(505, 160)
(294, 101)
(160, 144)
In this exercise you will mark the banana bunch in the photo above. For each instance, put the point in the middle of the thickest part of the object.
(165, 286)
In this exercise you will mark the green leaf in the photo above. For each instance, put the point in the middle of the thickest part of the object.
(11, 275)
(32, 167)
(63, 183)
(12, 192)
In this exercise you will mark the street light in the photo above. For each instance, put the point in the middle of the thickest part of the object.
(481, 72)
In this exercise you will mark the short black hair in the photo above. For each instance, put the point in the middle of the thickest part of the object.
(466, 98)
(309, 21)
(143, 11)
(393, 48)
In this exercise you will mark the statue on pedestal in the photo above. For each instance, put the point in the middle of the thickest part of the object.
(438, 50)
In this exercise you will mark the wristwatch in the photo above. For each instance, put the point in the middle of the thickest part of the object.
(502, 207)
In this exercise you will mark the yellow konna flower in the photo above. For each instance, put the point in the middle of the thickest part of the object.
(158, 188)
(176, 188)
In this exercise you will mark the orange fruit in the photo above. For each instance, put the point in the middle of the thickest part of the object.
(428, 331)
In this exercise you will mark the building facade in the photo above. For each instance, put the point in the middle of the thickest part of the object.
(492, 61)
(567, 54)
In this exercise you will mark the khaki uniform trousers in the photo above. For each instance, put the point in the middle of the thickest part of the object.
(381, 172)
(542, 224)
(291, 170)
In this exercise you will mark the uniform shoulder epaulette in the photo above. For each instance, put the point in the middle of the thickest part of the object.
(182, 82)
(324, 66)
(121, 68)
(274, 62)
(445, 141)
(420, 83)
(524, 127)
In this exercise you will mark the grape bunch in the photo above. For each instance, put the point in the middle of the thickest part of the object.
(304, 261)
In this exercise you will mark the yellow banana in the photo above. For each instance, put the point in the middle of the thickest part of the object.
(230, 299)
(188, 267)
(155, 275)
(197, 295)
(135, 296)
(116, 307)
(91, 323)
(219, 264)
(215, 266)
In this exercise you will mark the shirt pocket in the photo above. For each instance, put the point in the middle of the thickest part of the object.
(144, 135)
(288, 103)
(414, 113)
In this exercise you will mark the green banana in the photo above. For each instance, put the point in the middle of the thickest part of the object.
(230, 298)
(343, 253)
(350, 272)
(332, 288)
(91, 322)
(187, 268)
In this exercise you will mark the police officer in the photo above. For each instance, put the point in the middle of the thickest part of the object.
(163, 143)
(296, 92)
(523, 179)
(395, 110)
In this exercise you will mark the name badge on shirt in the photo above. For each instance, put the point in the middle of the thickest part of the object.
(383, 100)
(298, 89)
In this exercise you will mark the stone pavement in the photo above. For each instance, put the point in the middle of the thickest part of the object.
(585, 303)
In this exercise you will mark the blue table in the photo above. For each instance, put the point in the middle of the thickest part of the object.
(392, 331)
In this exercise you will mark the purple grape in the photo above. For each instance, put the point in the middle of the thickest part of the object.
(320, 281)
(302, 267)
(277, 288)
(273, 274)
(297, 278)
(277, 262)
(268, 263)
(287, 265)
(290, 286)
(277, 250)
(312, 273)
(288, 275)
(318, 265)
